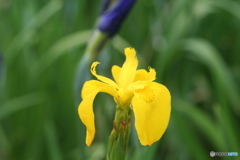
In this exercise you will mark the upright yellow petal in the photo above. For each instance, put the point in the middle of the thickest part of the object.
(142, 78)
(85, 109)
(137, 85)
(152, 74)
(143, 75)
(102, 78)
(116, 72)
(129, 68)
(151, 107)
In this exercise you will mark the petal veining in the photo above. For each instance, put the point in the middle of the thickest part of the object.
(151, 107)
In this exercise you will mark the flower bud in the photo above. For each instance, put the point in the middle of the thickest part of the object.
(112, 18)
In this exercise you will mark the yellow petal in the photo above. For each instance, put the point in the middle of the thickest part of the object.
(142, 78)
(102, 78)
(116, 72)
(85, 109)
(124, 98)
(128, 69)
(137, 85)
(151, 74)
(143, 75)
(151, 107)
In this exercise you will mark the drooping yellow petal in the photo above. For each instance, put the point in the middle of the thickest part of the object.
(151, 107)
(102, 78)
(116, 72)
(85, 109)
(129, 68)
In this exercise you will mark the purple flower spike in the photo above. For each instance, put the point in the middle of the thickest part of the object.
(112, 18)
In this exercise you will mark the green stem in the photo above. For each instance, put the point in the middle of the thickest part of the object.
(119, 137)
(95, 44)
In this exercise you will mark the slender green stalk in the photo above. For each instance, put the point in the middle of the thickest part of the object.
(119, 137)
(96, 43)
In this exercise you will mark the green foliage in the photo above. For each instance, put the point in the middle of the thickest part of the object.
(192, 44)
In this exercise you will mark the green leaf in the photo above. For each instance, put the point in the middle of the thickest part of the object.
(17, 104)
(205, 53)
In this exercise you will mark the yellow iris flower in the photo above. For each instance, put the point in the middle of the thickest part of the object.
(150, 101)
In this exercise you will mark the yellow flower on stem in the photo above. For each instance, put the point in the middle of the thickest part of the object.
(150, 101)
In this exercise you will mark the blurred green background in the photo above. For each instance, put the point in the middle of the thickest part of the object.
(194, 46)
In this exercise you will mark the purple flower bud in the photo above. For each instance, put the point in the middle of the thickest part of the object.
(105, 5)
(112, 18)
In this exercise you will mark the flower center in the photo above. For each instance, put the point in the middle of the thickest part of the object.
(125, 97)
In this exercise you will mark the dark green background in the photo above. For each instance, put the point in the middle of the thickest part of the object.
(194, 46)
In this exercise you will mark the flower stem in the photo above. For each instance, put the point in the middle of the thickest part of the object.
(119, 137)
(96, 43)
